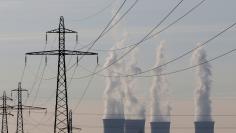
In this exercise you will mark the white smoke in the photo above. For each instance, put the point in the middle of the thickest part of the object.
(203, 90)
(160, 107)
(113, 93)
(133, 108)
(118, 92)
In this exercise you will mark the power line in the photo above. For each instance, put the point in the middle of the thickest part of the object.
(105, 30)
(37, 73)
(157, 33)
(176, 71)
(85, 90)
(112, 26)
(97, 12)
(165, 28)
(39, 85)
(146, 36)
(155, 27)
(170, 61)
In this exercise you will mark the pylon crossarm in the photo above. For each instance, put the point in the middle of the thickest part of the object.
(7, 114)
(24, 107)
(62, 31)
(73, 52)
(7, 107)
(7, 98)
(65, 52)
(18, 90)
(33, 107)
(70, 31)
(53, 31)
(52, 52)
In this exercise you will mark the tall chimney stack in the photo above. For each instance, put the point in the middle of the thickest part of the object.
(204, 127)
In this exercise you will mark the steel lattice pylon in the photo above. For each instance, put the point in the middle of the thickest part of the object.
(61, 107)
(4, 108)
(20, 107)
(20, 126)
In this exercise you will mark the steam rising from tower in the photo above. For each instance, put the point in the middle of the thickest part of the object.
(113, 94)
(134, 109)
(160, 108)
(203, 90)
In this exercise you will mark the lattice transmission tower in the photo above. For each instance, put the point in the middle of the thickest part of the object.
(61, 107)
(5, 107)
(20, 107)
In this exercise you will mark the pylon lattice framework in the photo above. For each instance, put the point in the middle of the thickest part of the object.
(61, 107)
(20, 107)
(5, 112)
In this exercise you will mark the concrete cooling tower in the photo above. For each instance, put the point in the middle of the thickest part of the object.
(134, 126)
(204, 127)
(113, 125)
(160, 127)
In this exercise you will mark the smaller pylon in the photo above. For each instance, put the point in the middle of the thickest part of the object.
(71, 124)
(5, 107)
(20, 107)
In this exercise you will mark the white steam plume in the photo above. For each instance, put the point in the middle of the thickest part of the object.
(113, 93)
(133, 108)
(203, 90)
(160, 107)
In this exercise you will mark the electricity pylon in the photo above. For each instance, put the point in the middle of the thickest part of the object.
(61, 107)
(71, 123)
(5, 112)
(20, 107)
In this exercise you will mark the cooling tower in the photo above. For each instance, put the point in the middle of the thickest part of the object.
(160, 127)
(113, 125)
(204, 127)
(134, 126)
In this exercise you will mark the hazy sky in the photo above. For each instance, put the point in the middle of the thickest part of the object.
(24, 23)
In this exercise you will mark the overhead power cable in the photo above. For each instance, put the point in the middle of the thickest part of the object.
(104, 31)
(167, 27)
(146, 36)
(194, 66)
(170, 61)
(37, 73)
(39, 85)
(107, 27)
(157, 33)
(85, 90)
(97, 12)
(163, 74)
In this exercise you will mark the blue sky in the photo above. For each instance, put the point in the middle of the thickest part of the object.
(24, 23)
